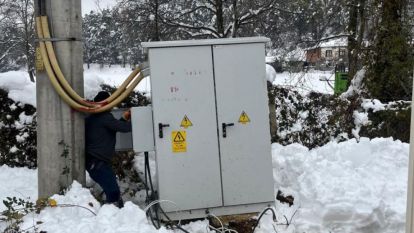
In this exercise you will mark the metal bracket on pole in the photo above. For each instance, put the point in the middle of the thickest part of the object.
(58, 39)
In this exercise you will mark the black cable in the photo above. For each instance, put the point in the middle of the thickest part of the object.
(153, 198)
(42, 7)
(261, 215)
(153, 194)
(149, 174)
(171, 222)
(155, 222)
(146, 182)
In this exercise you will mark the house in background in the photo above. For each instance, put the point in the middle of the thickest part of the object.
(286, 60)
(328, 53)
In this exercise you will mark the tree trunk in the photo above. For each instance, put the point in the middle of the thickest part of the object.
(220, 17)
(156, 33)
(352, 40)
(235, 20)
(272, 111)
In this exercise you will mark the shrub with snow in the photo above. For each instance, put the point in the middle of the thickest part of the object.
(312, 120)
(17, 133)
(315, 119)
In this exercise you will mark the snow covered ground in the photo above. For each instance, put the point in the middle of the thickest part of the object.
(305, 82)
(346, 187)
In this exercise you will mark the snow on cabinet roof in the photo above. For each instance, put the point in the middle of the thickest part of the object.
(183, 43)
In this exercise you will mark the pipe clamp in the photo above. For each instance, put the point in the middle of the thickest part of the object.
(58, 39)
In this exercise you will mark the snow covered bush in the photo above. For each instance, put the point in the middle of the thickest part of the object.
(17, 133)
(315, 119)
(18, 128)
(312, 120)
(135, 99)
(387, 120)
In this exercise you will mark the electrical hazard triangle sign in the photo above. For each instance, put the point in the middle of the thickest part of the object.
(244, 118)
(179, 137)
(186, 122)
(179, 142)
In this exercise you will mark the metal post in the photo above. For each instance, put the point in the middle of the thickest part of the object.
(409, 228)
(60, 132)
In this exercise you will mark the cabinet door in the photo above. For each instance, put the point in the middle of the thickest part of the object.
(245, 150)
(188, 163)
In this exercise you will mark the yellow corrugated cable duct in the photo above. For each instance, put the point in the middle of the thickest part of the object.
(50, 72)
(118, 100)
(59, 74)
(84, 106)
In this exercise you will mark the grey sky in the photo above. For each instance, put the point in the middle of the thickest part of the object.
(89, 5)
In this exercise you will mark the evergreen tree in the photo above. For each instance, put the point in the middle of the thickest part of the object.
(102, 35)
(391, 61)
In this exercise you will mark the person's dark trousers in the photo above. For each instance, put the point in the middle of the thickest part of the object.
(101, 172)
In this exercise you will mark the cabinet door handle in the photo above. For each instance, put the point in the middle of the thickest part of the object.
(224, 127)
(160, 129)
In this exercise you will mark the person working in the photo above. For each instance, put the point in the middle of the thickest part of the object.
(100, 139)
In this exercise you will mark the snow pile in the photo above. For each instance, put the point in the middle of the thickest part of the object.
(356, 84)
(360, 119)
(19, 86)
(345, 187)
(76, 219)
(86, 215)
(17, 182)
(270, 73)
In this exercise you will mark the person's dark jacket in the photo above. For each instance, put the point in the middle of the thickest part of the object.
(100, 134)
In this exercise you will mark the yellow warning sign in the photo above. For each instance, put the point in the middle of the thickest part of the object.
(244, 118)
(186, 122)
(39, 61)
(178, 141)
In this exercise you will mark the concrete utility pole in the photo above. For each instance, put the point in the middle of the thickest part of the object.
(60, 131)
(409, 228)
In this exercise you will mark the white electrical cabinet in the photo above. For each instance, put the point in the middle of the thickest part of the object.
(211, 126)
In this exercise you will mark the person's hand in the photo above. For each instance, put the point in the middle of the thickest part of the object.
(127, 115)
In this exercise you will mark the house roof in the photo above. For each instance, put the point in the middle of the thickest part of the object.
(328, 43)
(337, 42)
(297, 54)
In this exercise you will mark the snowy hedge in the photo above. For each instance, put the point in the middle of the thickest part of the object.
(315, 119)
(18, 128)
(17, 133)
(312, 120)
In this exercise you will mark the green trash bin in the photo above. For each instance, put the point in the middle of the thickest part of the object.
(341, 82)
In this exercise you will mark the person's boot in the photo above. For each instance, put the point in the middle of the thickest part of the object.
(119, 203)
